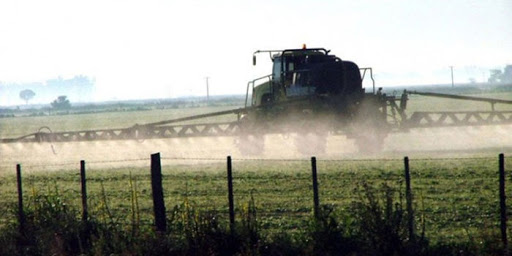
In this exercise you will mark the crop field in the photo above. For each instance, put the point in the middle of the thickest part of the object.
(19, 126)
(454, 199)
(454, 172)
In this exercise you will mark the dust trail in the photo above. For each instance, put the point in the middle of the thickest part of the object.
(435, 142)
(475, 140)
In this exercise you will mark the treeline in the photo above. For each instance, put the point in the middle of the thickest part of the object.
(128, 105)
(78, 88)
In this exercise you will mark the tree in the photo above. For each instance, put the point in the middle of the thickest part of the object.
(27, 95)
(498, 76)
(61, 103)
(507, 74)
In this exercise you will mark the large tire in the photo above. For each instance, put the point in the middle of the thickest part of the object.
(251, 145)
(369, 128)
(250, 141)
(370, 143)
(311, 144)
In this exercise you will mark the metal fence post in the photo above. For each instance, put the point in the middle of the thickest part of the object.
(84, 191)
(158, 193)
(408, 198)
(503, 205)
(230, 197)
(316, 201)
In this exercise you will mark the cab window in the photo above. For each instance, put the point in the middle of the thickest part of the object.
(277, 69)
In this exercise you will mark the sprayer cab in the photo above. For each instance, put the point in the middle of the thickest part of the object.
(303, 73)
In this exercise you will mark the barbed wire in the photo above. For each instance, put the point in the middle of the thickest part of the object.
(119, 160)
(453, 158)
(237, 159)
(75, 163)
(318, 159)
(45, 165)
(330, 160)
(194, 158)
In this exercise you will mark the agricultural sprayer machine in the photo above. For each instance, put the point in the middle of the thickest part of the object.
(311, 94)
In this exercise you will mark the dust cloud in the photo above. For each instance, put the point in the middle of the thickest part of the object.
(453, 141)
(427, 142)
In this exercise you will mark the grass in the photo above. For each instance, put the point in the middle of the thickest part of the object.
(455, 200)
(363, 208)
(19, 126)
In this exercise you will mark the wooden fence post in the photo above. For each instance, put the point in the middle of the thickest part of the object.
(84, 191)
(21, 213)
(503, 205)
(316, 201)
(158, 193)
(230, 197)
(408, 198)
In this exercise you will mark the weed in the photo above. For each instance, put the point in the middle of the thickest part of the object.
(325, 235)
(381, 222)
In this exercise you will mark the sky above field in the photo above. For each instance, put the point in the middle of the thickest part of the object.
(161, 49)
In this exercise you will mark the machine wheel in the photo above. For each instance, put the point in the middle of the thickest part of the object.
(369, 136)
(369, 127)
(250, 142)
(311, 143)
(371, 142)
(251, 145)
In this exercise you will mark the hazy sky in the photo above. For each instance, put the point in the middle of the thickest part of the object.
(158, 49)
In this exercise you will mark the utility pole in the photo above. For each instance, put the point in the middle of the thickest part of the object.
(207, 92)
(451, 68)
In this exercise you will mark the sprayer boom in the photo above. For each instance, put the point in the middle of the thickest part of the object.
(462, 97)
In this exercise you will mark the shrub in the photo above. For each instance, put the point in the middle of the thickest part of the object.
(325, 235)
(381, 226)
(51, 227)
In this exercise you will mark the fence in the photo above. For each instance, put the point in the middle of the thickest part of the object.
(450, 198)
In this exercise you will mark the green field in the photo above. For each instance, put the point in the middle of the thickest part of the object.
(23, 125)
(455, 199)
(26, 124)
(454, 173)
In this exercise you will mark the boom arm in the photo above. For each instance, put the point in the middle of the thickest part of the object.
(423, 119)
(461, 97)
